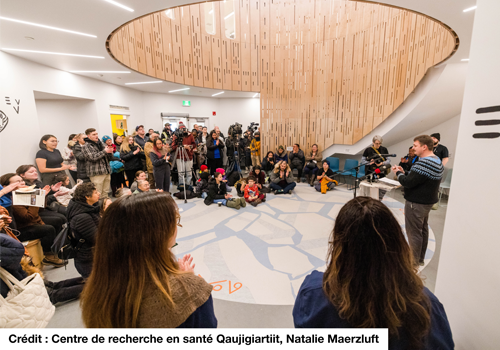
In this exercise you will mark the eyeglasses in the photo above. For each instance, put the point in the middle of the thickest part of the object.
(178, 216)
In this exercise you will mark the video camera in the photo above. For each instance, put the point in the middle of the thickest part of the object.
(253, 127)
(235, 130)
(180, 133)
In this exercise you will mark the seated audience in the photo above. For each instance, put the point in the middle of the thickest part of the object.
(202, 184)
(49, 160)
(64, 194)
(224, 179)
(255, 149)
(282, 179)
(161, 290)
(268, 163)
(281, 155)
(240, 186)
(6, 189)
(160, 159)
(297, 160)
(69, 157)
(313, 159)
(252, 194)
(371, 282)
(132, 154)
(83, 217)
(260, 176)
(142, 186)
(139, 175)
(124, 191)
(325, 179)
(217, 193)
(408, 161)
(97, 158)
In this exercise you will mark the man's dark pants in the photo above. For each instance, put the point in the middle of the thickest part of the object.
(417, 228)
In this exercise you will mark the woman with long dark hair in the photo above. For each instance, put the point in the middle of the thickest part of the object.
(136, 280)
(49, 160)
(132, 154)
(161, 166)
(371, 282)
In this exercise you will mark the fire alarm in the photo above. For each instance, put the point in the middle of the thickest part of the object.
(213, 113)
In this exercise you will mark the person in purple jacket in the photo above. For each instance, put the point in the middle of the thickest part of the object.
(371, 282)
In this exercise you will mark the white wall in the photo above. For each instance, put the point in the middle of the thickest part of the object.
(449, 134)
(64, 117)
(468, 281)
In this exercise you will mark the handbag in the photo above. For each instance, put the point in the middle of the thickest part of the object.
(65, 246)
(27, 305)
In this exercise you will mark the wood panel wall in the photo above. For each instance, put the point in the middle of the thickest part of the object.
(328, 71)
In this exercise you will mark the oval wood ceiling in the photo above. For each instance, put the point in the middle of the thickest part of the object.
(328, 71)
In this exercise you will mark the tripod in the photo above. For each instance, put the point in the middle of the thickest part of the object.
(183, 171)
(235, 162)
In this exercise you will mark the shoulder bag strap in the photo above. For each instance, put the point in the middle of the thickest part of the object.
(376, 150)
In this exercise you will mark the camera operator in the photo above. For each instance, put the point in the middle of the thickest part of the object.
(188, 145)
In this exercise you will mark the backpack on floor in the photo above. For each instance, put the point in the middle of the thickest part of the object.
(65, 246)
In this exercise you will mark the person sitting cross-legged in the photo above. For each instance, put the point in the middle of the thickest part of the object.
(217, 193)
(252, 194)
(282, 179)
(325, 179)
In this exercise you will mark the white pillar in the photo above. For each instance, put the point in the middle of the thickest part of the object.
(468, 281)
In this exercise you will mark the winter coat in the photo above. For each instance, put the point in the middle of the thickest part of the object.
(96, 158)
(211, 148)
(215, 191)
(12, 253)
(116, 165)
(255, 147)
(81, 169)
(186, 141)
(202, 183)
(297, 159)
(148, 148)
(157, 161)
(132, 161)
(266, 166)
(26, 216)
(275, 175)
(278, 157)
(83, 220)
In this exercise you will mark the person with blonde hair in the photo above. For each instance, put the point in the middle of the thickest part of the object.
(132, 155)
(282, 178)
(137, 281)
(371, 281)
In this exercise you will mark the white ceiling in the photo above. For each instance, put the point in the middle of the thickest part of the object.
(100, 18)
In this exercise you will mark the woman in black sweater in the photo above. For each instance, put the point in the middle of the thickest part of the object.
(83, 217)
(161, 166)
(132, 154)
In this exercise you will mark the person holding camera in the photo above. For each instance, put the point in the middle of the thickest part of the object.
(184, 159)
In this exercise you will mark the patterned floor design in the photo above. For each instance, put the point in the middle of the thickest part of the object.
(261, 255)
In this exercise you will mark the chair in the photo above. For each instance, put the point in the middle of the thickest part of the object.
(333, 163)
(446, 184)
(349, 164)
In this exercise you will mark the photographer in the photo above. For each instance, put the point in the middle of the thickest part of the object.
(214, 152)
(185, 155)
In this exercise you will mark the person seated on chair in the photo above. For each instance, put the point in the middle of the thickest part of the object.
(370, 282)
(313, 158)
(282, 179)
(297, 160)
(281, 155)
(268, 163)
(217, 194)
(252, 194)
(408, 161)
(325, 179)
(373, 160)
(259, 175)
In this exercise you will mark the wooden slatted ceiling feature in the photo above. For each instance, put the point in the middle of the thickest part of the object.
(328, 71)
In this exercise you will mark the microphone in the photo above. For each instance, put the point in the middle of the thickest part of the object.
(380, 155)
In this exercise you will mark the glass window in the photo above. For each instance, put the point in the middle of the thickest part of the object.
(229, 18)
(209, 10)
(170, 13)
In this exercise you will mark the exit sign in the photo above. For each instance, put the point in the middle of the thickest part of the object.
(186, 103)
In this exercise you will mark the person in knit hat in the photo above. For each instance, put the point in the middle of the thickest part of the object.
(281, 155)
(223, 172)
(440, 150)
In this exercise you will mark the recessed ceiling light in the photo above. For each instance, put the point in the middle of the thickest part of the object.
(119, 5)
(255, 95)
(465, 60)
(180, 90)
(470, 9)
(218, 93)
(53, 53)
(145, 82)
(100, 71)
(48, 27)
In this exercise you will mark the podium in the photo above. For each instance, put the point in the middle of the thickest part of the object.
(368, 189)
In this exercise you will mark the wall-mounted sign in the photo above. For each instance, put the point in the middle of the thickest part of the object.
(213, 113)
(186, 103)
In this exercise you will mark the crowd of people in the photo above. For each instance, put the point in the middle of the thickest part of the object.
(363, 285)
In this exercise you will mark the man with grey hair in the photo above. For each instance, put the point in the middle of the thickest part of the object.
(373, 160)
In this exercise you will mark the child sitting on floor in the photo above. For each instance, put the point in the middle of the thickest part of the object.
(202, 184)
(223, 172)
(252, 194)
(240, 186)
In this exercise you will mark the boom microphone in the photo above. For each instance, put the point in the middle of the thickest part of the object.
(381, 155)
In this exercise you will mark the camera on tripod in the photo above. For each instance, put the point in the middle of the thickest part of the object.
(253, 127)
(235, 130)
(180, 133)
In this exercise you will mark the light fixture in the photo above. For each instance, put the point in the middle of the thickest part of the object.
(470, 9)
(99, 71)
(232, 13)
(145, 82)
(180, 90)
(48, 27)
(255, 95)
(52, 53)
(119, 5)
(465, 60)
(218, 93)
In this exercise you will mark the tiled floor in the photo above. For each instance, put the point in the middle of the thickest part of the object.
(259, 256)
